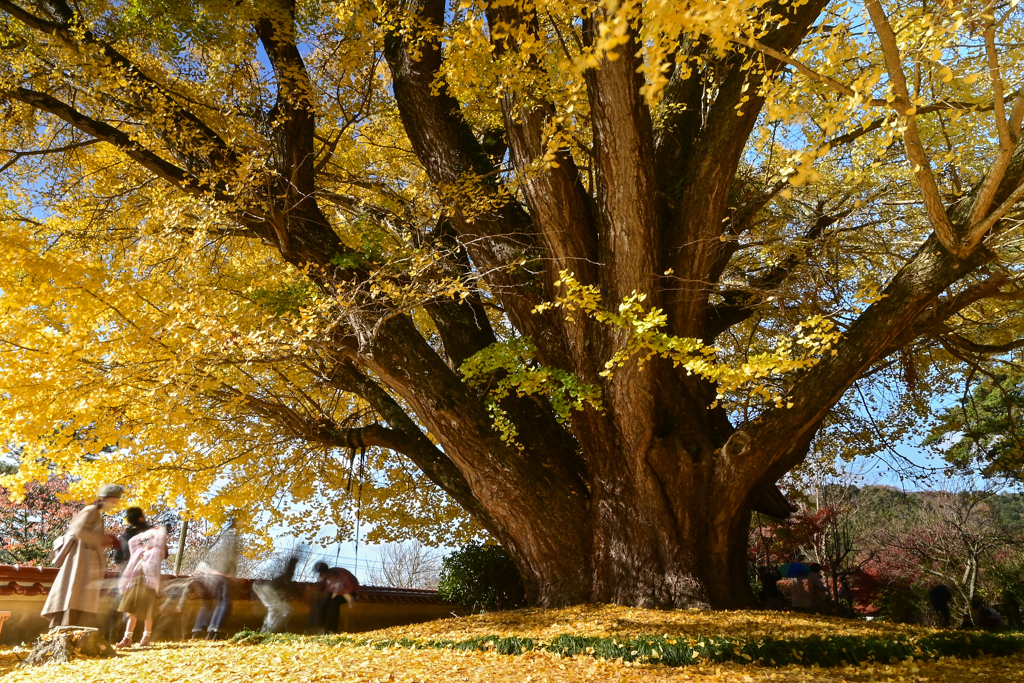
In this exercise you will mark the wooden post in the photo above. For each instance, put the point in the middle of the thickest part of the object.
(181, 547)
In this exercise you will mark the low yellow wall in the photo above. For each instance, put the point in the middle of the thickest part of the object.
(23, 592)
(25, 624)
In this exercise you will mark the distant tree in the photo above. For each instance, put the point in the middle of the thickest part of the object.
(951, 537)
(278, 561)
(407, 565)
(889, 583)
(883, 503)
(826, 529)
(1008, 511)
(824, 536)
(1006, 577)
(199, 542)
(29, 527)
(252, 557)
(481, 577)
(984, 428)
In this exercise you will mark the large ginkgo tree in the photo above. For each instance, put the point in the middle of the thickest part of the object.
(592, 275)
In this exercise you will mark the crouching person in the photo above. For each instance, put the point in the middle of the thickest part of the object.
(335, 584)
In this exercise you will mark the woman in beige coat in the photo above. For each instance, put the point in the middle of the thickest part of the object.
(74, 597)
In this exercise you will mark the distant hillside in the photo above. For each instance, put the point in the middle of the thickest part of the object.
(888, 501)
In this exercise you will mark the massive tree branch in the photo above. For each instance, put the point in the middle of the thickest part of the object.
(691, 238)
(916, 153)
(623, 150)
(294, 129)
(153, 94)
(558, 203)
(499, 238)
(678, 122)
(913, 289)
(875, 333)
(496, 470)
(627, 219)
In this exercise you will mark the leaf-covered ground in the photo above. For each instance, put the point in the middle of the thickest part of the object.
(227, 662)
(311, 660)
(626, 622)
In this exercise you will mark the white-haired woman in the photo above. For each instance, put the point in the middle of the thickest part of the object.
(74, 598)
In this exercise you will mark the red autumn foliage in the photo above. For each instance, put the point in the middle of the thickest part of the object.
(28, 528)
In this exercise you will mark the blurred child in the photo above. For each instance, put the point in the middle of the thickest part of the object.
(140, 583)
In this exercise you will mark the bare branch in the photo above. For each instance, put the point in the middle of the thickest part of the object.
(1006, 140)
(958, 340)
(107, 133)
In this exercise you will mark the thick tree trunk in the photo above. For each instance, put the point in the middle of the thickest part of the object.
(661, 517)
(643, 557)
(646, 549)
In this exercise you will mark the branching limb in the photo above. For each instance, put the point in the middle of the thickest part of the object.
(977, 231)
(502, 236)
(18, 155)
(959, 341)
(106, 133)
(932, 322)
(934, 206)
(295, 124)
(1006, 139)
(322, 431)
(701, 186)
(155, 95)
(436, 465)
(875, 124)
(741, 304)
(809, 72)
(559, 205)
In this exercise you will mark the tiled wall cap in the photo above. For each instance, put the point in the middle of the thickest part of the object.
(12, 576)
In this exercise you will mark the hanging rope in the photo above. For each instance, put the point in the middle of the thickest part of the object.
(350, 444)
(354, 442)
(359, 501)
